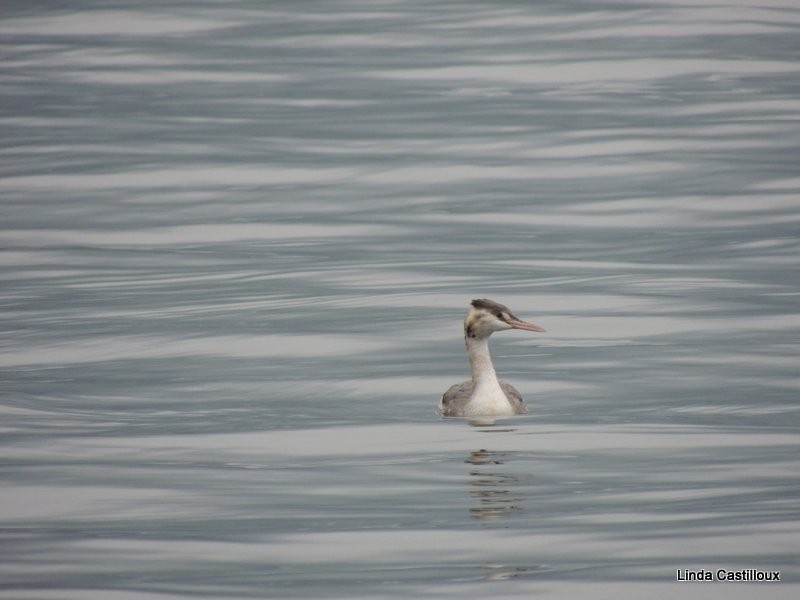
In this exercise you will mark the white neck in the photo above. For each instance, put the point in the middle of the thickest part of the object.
(488, 397)
(480, 361)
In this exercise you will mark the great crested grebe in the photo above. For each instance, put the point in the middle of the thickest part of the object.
(485, 395)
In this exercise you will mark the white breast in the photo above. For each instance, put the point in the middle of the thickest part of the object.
(488, 400)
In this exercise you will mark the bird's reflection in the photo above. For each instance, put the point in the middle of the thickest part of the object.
(498, 483)
(491, 489)
(497, 494)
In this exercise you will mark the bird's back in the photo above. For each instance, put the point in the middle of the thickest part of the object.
(454, 401)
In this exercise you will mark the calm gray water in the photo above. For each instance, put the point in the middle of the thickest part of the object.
(238, 240)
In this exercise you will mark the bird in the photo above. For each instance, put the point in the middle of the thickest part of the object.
(485, 395)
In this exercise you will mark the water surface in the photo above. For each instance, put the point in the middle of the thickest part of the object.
(238, 241)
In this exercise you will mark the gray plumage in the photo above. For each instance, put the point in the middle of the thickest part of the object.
(455, 399)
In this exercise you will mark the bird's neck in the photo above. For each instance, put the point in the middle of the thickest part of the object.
(481, 362)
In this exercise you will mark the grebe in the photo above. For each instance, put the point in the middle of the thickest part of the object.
(485, 395)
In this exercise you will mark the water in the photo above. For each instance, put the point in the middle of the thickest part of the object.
(238, 240)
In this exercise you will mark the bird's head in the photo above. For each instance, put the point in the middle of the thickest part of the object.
(486, 316)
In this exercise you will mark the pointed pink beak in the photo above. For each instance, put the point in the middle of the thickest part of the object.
(525, 326)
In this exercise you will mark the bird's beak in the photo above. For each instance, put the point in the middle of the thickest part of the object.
(525, 326)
